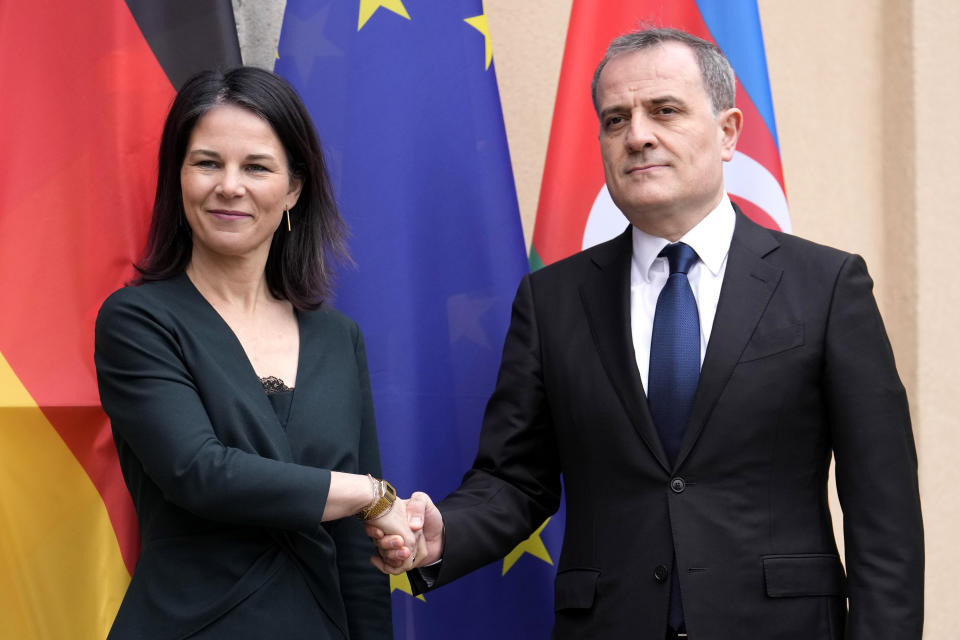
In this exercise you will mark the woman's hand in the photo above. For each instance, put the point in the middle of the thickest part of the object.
(396, 554)
(395, 524)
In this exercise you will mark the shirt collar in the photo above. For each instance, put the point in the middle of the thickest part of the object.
(710, 238)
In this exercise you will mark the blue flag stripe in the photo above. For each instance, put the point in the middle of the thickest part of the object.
(735, 26)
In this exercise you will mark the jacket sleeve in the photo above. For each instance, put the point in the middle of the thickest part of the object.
(876, 466)
(514, 484)
(365, 591)
(149, 394)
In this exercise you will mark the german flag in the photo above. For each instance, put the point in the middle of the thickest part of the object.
(84, 88)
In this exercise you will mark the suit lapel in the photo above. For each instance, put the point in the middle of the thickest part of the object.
(748, 284)
(606, 299)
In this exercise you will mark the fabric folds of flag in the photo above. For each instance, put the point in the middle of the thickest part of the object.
(404, 96)
(85, 90)
(575, 211)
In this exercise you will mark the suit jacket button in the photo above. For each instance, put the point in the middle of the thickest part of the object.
(660, 574)
(677, 485)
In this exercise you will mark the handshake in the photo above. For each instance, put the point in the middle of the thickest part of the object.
(408, 536)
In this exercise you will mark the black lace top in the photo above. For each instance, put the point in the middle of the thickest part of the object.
(272, 384)
(280, 395)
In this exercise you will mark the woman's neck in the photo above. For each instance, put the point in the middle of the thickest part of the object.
(237, 283)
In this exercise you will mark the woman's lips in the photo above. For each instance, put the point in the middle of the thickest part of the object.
(223, 214)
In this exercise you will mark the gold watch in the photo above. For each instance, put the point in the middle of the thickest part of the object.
(382, 504)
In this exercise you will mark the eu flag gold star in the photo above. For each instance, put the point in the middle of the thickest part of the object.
(402, 582)
(480, 24)
(367, 7)
(532, 545)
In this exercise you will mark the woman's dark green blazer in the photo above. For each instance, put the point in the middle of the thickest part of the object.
(229, 501)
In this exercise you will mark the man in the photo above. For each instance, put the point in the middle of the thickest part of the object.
(689, 381)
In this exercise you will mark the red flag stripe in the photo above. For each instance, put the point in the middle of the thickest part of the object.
(756, 141)
(78, 179)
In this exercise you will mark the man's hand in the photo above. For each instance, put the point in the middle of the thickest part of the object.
(424, 521)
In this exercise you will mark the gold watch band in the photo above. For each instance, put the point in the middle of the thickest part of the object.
(383, 504)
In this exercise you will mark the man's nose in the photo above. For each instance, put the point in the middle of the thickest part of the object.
(640, 134)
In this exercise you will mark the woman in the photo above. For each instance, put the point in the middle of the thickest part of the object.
(240, 401)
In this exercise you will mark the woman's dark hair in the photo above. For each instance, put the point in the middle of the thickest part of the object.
(300, 263)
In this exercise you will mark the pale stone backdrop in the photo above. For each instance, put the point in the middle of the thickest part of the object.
(867, 101)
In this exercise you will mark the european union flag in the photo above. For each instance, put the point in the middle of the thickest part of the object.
(404, 96)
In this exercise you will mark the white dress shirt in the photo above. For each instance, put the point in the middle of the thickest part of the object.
(648, 273)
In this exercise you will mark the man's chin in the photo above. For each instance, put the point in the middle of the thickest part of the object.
(644, 207)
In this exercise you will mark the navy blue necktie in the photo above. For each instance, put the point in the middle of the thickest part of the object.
(674, 351)
(674, 370)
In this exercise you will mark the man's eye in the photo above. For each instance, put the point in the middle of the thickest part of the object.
(613, 121)
(666, 111)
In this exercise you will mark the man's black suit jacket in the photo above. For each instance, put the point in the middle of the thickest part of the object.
(798, 367)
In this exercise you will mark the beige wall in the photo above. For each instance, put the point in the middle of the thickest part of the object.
(867, 100)
(936, 196)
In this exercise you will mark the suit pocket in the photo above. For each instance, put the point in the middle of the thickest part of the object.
(771, 342)
(803, 574)
(575, 589)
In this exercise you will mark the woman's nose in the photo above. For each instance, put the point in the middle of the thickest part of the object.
(231, 183)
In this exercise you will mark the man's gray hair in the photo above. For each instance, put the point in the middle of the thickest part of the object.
(715, 69)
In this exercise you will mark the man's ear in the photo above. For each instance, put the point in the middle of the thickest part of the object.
(730, 124)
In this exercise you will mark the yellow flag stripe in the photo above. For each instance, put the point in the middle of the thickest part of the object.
(61, 572)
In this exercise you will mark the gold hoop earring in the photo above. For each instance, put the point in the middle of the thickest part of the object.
(287, 212)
